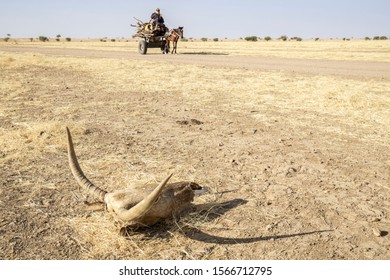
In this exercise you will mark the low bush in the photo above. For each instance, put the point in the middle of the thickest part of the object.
(251, 38)
(283, 38)
(43, 39)
(380, 38)
(296, 39)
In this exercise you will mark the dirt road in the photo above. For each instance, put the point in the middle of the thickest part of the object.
(351, 69)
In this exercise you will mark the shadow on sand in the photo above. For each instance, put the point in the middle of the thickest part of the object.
(212, 211)
(203, 53)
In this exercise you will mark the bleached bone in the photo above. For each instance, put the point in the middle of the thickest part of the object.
(137, 207)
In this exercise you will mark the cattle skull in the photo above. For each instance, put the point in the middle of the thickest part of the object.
(138, 207)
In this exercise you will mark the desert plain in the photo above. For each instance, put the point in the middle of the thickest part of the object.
(292, 140)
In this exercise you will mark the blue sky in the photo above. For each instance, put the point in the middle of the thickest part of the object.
(201, 18)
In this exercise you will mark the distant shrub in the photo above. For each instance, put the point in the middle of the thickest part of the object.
(68, 39)
(215, 39)
(380, 38)
(296, 39)
(113, 40)
(283, 38)
(251, 38)
(6, 39)
(317, 39)
(268, 38)
(43, 39)
(367, 38)
(204, 39)
(184, 40)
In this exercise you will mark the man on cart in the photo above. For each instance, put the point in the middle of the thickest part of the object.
(157, 21)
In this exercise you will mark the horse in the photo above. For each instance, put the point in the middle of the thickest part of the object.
(174, 36)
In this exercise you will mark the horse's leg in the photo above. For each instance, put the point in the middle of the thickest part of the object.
(174, 46)
(167, 42)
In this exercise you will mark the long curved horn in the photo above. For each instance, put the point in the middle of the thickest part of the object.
(143, 206)
(81, 179)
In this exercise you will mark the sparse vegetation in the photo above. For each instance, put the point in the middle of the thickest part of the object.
(283, 38)
(6, 39)
(296, 39)
(267, 38)
(251, 38)
(204, 39)
(380, 38)
(215, 39)
(43, 38)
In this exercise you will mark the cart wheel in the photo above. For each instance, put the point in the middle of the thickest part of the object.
(142, 47)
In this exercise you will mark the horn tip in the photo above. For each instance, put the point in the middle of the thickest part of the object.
(169, 177)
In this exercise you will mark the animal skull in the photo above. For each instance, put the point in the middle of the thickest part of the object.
(137, 207)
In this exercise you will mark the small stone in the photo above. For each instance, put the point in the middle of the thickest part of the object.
(377, 232)
(375, 219)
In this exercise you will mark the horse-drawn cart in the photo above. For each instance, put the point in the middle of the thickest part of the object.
(150, 37)
(156, 37)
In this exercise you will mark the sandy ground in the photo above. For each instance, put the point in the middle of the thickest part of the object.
(295, 153)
